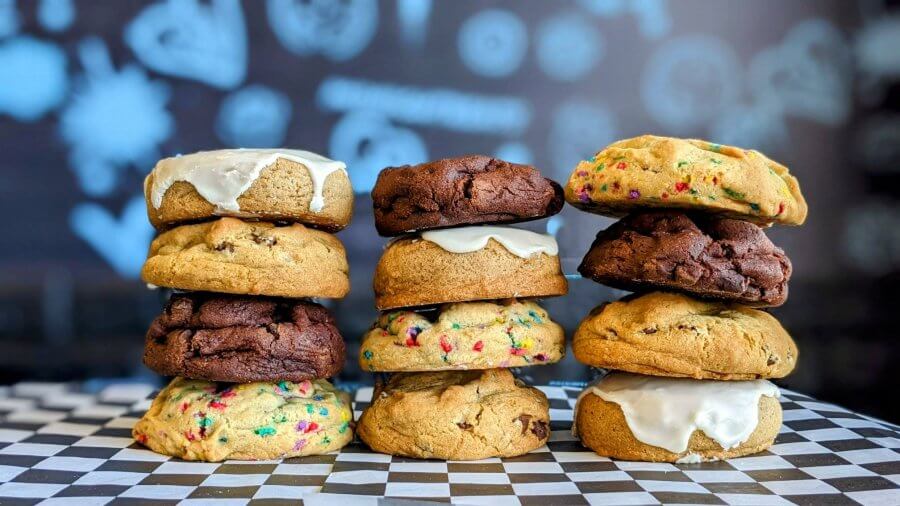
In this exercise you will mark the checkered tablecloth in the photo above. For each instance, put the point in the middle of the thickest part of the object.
(59, 445)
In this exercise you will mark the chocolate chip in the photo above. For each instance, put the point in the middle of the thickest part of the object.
(225, 246)
(464, 426)
(525, 420)
(772, 360)
(540, 429)
(262, 239)
(650, 330)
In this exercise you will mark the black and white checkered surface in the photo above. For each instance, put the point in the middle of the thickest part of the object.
(61, 446)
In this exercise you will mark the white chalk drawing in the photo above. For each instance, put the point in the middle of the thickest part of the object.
(871, 238)
(9, 18)
(205, 42)
(689, 79)
(492, 43)
(255, 116)
(515, 152)
(367, 142)
(34, 80)
(115, 119)
(877, 143)
(579, 128)
(123, 242)
(652, 16)
(808, 75)
(56, 15)
(412, 16)
(436, 107)
(568, 46)
(758, 126)
(338, 31)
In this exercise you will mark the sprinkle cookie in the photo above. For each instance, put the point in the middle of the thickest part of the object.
(467, 335)
(202, 420)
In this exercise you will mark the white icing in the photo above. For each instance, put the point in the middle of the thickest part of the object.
(690, 458)
(222, 176)
(664, 412)
(522, 243)
(151, 286)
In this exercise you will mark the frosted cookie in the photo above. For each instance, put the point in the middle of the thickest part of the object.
(202, 420)
(267, 184)
(249, 258)
(242, 339)
(465, 335)
(455, 415)
(668, 334)
(467, 190)
(467, 264)
(664, 172)
(645, 418)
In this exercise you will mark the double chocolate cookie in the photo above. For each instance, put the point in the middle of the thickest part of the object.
(707, 256)
(467, 190)
(242, 339)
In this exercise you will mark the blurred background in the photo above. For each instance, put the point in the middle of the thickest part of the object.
(93, 93)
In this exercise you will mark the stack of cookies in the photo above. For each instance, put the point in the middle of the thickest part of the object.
(690, 354)
(455, 293)
(249, 351)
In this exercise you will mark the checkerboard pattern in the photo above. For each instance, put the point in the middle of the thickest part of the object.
(59, 445)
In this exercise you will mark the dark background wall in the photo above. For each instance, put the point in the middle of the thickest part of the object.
(93, 92)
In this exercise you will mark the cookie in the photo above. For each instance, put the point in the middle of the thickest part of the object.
(455, 415)
(204, 420)
(467, 264)
(668, 334)
(663, 172)
(631, 417)
(249, 258)
(464, 335)
(468, 190)
(267, 184)
(243, 339)
(706, 256)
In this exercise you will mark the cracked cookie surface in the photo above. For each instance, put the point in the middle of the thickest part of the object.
(243, 339)
(465, 335)
(204, 420)
(229, 255)
(706, 256)
(468, 190)
(669, 334)
(664, 172)
(455, 415)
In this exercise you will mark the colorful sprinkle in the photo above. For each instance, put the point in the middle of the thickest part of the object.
(617, 186)
(517, 351)
(218, 405)
(190, 435)
(715, 147)
(681, 186)
(534, 316)
(368, 354)
(621, 165)
(682, 164)
(604, 187)
(141, 438)
(310, 409)
(600, 167)
(733, 194)
(780, 208)
(411, 334)
(184, 406)
(323, 411)
(445, 345)
(717, 162)
(754, 207)
(264, 431)
(455, 326)
(223, 439)
(581, 173)
(299, 445)
(478, 346)
(634, 194)
(540, 357)
(664, 195)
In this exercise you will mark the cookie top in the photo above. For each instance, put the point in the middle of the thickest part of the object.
(467, 190)
(240, 339)
(664, 172)
(465, 335)
(704, 255)
(269, 184)
(203, 420)
(455, 415)
(669, 334)
(229, 255)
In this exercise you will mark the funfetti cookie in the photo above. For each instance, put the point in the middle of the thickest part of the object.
(243, 339)
(467, 264)
(204, 420)
(267, 184)
(229, 255)
(646, 418)
(455, 415)
(664, 172)
(464, 335)
(670, 334)
(468, 190)
(705, 255)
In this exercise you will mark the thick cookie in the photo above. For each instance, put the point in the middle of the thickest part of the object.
(468, 190)
(466, 264)
(465, 335)
(667, 420)
(267, 184)
(455, 415)
(662, 172)
(243, 339)
(250, 258)
(203, 420)
(668, 334)
(704, 255)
